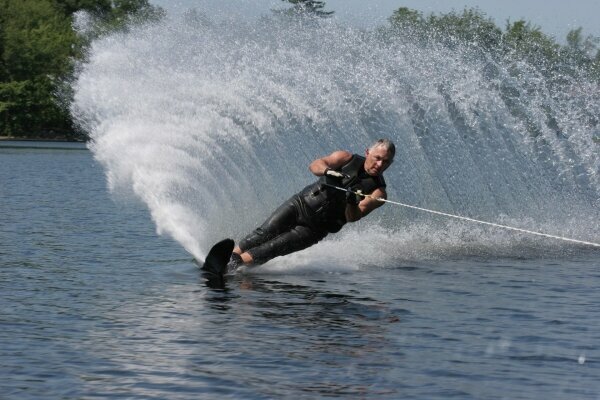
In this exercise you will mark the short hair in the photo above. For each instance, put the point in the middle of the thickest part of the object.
(386, 144)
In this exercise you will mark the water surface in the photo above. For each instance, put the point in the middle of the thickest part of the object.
(94, 304)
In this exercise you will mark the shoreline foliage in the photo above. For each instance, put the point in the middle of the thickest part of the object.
(520, 48)
(40, 48)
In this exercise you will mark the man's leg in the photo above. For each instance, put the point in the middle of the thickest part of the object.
(283, 219)
(297, 238)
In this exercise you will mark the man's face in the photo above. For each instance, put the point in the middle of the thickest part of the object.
(378, 160)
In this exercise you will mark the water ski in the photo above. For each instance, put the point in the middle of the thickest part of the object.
(215, 264)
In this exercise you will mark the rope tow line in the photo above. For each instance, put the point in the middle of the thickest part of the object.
(359, 193)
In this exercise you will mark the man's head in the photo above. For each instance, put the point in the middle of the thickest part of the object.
(379, 157)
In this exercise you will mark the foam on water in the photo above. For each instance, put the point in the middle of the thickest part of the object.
(212, 122)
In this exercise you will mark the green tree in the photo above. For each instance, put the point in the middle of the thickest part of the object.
(308, 7)
(520, 48)
(110, 10)
(470, 27)
(38, 47)
(520, 41)
(37, 44)
(404, 17)
(583, 52)
(529, 43)
(407, 22)
(97, 7)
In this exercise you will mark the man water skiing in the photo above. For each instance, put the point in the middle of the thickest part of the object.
(320, 208)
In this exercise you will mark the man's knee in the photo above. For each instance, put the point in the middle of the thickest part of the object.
(255, 238)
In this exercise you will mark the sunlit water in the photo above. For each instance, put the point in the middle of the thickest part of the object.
(94, 304)
(201, 124)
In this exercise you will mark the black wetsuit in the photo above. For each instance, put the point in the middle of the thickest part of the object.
(308, 216)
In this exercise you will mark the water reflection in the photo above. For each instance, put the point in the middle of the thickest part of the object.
(323, 338)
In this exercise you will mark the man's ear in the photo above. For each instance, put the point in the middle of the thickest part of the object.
(367, 152)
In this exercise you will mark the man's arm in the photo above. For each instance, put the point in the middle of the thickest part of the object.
(367, 204)
(333, 161)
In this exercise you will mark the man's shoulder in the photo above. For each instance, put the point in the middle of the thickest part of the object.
(342, 154)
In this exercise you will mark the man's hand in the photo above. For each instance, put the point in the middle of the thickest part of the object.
(354, 198)
(334, 161)
(334, 174)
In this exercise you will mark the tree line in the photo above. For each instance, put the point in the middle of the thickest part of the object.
(39, 49)
(519, 40)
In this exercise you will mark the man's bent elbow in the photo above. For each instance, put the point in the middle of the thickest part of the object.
(353, 218)
(353, 215)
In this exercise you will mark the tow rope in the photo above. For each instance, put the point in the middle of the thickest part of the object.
(359, 193)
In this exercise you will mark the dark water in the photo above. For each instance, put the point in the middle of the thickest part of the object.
(94, 304)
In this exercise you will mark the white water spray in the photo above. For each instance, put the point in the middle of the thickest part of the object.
(212, 123)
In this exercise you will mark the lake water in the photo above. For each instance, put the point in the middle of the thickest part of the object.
(94, 304)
